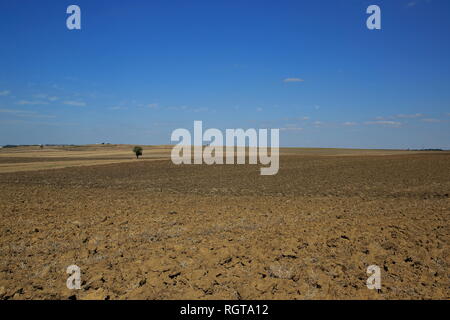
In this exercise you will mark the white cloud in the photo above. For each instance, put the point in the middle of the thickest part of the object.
(200, 110)
(384, 123)
(409, 116)
(414, 3)
(117, 108)
(14, 111)
(259, 109)
(45, 96)
(40, 96)
(31, 103)
(75, 103)
(350, 124)
(401, 116)
(25, 113)
(287, 80)
(189, 109)
(295, 118)
(291, 129)
(431, 120)
(5, 92)
(318, 123)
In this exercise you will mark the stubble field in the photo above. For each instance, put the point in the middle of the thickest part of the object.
(148, 229)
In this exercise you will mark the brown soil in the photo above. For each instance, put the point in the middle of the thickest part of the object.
(152, 230)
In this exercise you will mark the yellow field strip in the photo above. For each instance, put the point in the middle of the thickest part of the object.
(48, 165)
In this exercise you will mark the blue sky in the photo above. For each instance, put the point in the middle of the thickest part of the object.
(137, 70)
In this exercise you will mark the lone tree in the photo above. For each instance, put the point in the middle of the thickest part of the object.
(138, 151)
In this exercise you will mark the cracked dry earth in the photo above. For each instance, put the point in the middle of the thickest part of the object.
(153, 230)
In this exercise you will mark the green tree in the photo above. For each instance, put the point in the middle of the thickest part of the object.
(138, 151)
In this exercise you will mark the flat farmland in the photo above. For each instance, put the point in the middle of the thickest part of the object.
(148, 229)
